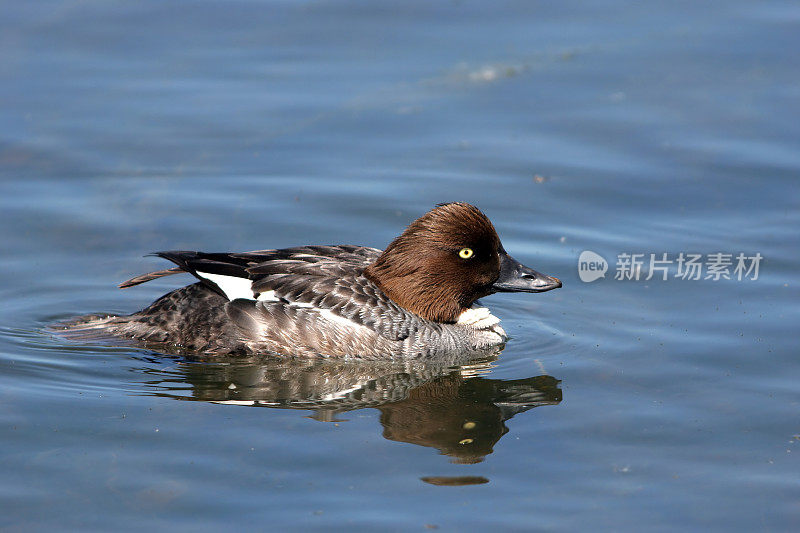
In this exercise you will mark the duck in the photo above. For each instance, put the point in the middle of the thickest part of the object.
(416, 299)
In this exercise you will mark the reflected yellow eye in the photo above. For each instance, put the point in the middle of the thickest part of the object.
(465, 253)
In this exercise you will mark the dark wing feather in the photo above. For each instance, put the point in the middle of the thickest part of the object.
(317, 261)
(334, 261)
(353, 297)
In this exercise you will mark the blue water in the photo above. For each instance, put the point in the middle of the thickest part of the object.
(603, 126)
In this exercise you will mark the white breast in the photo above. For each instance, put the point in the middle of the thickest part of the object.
(478, 318)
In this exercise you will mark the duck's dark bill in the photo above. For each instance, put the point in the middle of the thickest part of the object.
(516, 277)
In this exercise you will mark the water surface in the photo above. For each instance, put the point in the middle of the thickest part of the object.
(610, 127)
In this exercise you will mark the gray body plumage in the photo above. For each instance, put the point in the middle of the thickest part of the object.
(306, 301)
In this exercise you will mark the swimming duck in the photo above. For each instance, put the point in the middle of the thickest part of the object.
(415, 299)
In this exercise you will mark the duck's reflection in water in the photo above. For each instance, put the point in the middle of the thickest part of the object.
(454, 408)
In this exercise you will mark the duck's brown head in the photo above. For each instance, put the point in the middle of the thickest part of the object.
(447, 259)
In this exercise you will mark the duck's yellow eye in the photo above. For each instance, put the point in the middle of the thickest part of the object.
(465, 253)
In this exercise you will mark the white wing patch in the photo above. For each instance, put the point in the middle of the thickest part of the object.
(235, 287)
(268, 296)
(232, 286)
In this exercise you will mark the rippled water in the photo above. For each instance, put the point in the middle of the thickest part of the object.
(610, 127)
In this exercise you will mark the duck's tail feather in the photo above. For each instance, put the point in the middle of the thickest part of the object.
(150, 276)
(89, 328)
